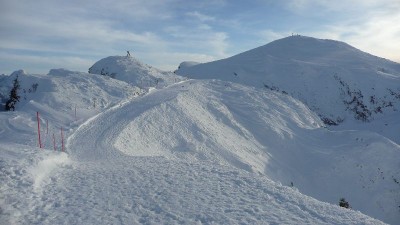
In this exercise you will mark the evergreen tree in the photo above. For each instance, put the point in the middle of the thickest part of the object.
(14, 97)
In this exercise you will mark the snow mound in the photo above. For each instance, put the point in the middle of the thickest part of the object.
(134, 72)
(337, 81)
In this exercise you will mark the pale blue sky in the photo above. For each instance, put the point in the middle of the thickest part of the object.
(44, 34)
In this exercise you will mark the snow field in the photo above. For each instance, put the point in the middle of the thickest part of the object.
(264, 132)
(153, 190)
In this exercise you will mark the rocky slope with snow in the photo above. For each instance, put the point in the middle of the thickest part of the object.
(342, 84)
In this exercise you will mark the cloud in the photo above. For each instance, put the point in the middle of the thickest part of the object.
(375, 31)
(170, 60)
(42, 64)
(339, 5)
(270, 35)
(379, 36)
(200, 16)
(47, 29)
(199, 39)
(100, 28)
(369, 25)
(70, 34)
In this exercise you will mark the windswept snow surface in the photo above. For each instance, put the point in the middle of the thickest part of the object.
(198, 175)
(153, 190)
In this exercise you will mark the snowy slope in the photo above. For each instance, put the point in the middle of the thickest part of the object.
(340, 83)
(198, 151)
(253, 130)
(134, 72)
(107, 180)
(149, 190)
(56, 97)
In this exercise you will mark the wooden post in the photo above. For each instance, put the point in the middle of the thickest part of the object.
(38, 124)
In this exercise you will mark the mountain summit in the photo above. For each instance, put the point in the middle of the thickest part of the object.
(337, 81)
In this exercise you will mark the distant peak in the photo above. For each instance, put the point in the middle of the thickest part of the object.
(18, 72)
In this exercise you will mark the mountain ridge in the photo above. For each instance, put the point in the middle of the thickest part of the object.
(337, 81)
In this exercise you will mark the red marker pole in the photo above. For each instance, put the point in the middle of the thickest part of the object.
(62, 140)
(54, 143)
(38, 124)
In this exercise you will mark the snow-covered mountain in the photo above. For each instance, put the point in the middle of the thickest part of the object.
(339, 82)
(134, 72)
(186, 151)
